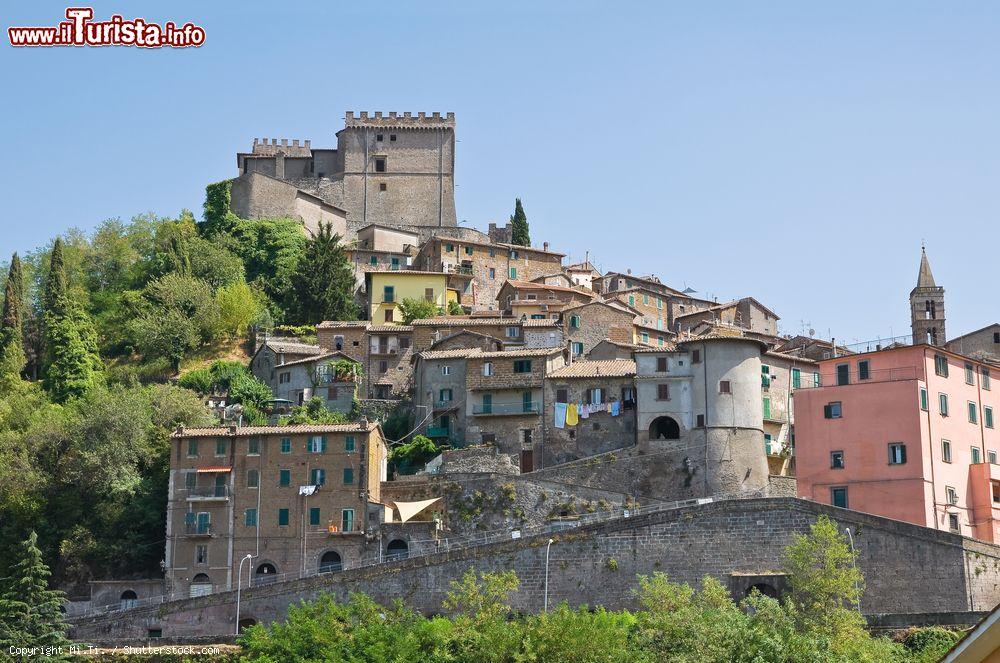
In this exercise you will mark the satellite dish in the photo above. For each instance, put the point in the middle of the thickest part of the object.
(812, 332)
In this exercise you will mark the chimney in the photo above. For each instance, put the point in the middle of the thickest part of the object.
(545, 246)
(232, 430)
(363, 422)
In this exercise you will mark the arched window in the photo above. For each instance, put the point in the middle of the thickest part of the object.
(128, 599)
(266, 573)
(330, 562)
(200, 585)
(664, 428)
(397, 549)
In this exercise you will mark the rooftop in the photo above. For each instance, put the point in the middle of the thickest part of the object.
(244, 431)
(617, 368)
(520, 352)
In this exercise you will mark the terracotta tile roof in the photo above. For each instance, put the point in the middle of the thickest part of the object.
(446, 239)
(458, 353)
(341, 324)
(521, 352)
(293, 347)
(389, 329)
(463, 321)
(411, 272)
(528, 285)
(540, 322)
(666, 347)
(612, 368)
(226, 431)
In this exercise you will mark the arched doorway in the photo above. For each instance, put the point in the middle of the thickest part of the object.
(266, 573)
(128, 599)
(246, 623)
(397, 549)
(763, 588)
(664, 428)
(330, 562)
(200, 585)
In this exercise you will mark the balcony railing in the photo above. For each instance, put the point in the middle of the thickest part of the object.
(853, 376)
(443, 405)
(210, 493)
(198, 529)
(437, 431)
(506, 408)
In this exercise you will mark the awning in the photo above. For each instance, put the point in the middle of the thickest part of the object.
(214, 469)
(407, 510)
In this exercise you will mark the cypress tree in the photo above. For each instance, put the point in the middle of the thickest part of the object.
(29, 610)
(323, 281)
(54, 298)
(519, 223)
(12, 356)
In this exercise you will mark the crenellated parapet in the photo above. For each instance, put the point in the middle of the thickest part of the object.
(393, 119)
(274, 146)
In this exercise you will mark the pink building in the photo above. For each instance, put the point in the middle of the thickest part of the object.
(907, 433)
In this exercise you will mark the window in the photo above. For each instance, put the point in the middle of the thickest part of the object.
(392, 138)
(796, 378)
(286, 445)
(562, 395)
(444, 395)
(284, 377)
(577, 348)
(493, 273)
(988, 416)
(317, 476)
(996, 337)
(513, 255)
(250, 517)
(725, 387)
(284, 477)
(201, 552)
(766, 405)
(923, 399)
(991, 456)
(522, 366)
(373, 261)
(388, 294)
(378, 137)
(487, 403)
(951, 495)
(767, 443)
(838, 497)
(986, 378)
(282, 517)
(379, 164)
(977, 456)
(383, 365)
(446, 370)
(220, 447)
(469, 251)
(574, 321)
(946, 451)
(526, 436)
(973, 413)
(314, 515)
(645, 337)
(843, 374)
(347, 520)
(429, 294)
(192, 448)
(696, 356)
(953, 522)
(970, 374)
(663, 392)
(661, 364)
(512, 332)
(513, 272)
(316, 444)
(348, 476)
(488, 368)
(897, 453)
(943, 404)
(393, 262)
(700, 421)
(253, 446)
(526, 404)
(382, 186)
(833, 410)
(631, 300)
(817, 380)
(836, 460)
(253, 478)
(941, 365)
(349, 444)
(864, 369)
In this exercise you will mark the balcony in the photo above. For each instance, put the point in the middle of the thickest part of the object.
(437, 431)
(444, 405)
(198, 529)
(505, 409)
(852, 376)
(210, 493)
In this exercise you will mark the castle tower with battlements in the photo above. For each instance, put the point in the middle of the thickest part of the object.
(393, 169)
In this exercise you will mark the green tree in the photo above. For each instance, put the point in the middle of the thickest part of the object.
(238, 307)
(253, 395)
(482, 631)
(418, 309)
(55, 297)
(271, 250)
(73, 361)
(454, 308)
(411, 456)
(323, 283)
(519, 225)
(12, 356)
(823, 573)
(313, 412)
(30, 613)
(217, 217)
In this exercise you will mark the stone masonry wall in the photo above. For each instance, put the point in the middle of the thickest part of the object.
(597, 565)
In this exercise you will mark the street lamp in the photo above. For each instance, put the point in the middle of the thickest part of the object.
(545, 598)
(239, 585)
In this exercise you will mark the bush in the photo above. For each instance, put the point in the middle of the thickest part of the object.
(929, 644)
(198, 380)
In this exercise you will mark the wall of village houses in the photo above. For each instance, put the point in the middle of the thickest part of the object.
(588, 325)
(600, 431)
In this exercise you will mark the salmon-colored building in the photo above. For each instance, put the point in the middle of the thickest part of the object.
(907, 432)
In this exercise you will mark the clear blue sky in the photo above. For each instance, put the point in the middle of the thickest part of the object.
(784, 150)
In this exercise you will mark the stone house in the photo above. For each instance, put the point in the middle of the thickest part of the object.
(439, 393)
(747, 313)
(608, 349)
(555, 278)
(583, 274)
(811, 348)
(275, 351)
(382, 350)
(982, 344)
(381, 249)
(606, 391)
(652, 337)
(590, 323)
(537, 301)
(466, 339)
(781, 376)
(235, 492)
(300, 380)
(676, 302)
(513, 332)
(505, 399)
(652, 307)
(489, 265)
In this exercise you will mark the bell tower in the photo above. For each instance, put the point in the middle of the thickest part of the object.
(927, 306)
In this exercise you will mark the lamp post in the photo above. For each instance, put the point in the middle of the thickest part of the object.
(545, 599)
(239, 586)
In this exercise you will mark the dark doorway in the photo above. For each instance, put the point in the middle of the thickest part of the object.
(266, 573)
(763, 588)
(664, 428)
(330, 562)
(527, 460)
(397, 549)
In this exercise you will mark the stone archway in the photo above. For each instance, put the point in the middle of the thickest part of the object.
(664, 428)
(266, 573)
(397, 549)
(331, 562)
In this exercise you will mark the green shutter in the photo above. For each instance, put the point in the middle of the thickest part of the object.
(323, 444)
(285, 478)
(314, 515)
(767, 408)
(282, 517)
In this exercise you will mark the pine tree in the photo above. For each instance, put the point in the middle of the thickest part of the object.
(29, 610)
(12, 356)
(519, 223)
(323, 282)
(54, 297)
